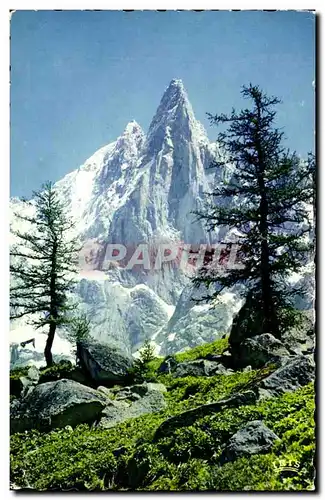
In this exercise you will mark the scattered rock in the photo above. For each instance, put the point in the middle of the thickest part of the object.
(103, 363)
(168, 365)
(293, 374)
(113, 414)
(224, 359)
(254, 438)
(300, 340)
(127, 394)
(106, 391)
(152, 386)
(198, 368)
(146, 387)
(33, 374)
(188, 417)
(22, 385)
(56, 404)
(134, 392)
(259, 350)
(152, 402)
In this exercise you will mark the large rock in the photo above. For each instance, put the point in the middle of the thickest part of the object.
(168, 365)
(56, 404)
(293, 374)
(224, 359)
(259, 350)
(21, 385)
(254, 438)
(147, 387)
(131, 393)
(198, 368)
(248, 322)
(143, 389)
(300, 339)
(195, 368)
(103, 363)
(127, 394)
(188, 417)
(31, 379)
(152, 402)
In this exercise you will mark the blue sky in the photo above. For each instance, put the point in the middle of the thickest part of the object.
(78, 77)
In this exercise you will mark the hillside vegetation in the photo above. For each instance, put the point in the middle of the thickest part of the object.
(133, 456)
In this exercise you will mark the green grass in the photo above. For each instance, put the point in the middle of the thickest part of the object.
(201, 351)
(127, 457)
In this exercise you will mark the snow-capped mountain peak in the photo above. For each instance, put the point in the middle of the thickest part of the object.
(173, 118)
(129, 145)
(143, 189)
(174, 95)
(133, 128)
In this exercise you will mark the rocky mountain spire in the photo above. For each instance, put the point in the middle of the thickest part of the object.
(173, 113)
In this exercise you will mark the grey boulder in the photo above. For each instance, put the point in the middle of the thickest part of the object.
(56, 404)
(168, 365)
(300, 339)
(23, 385)
(293, 374)
(146, 387)
(259, 350)
(103, 363)
(199, 368)
(254, 438)
(152, 402)
(138, 390)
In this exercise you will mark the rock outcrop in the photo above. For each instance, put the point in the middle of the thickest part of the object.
(199, 368)
(293, 374)
(103, 364)
(254, 438)
(187, 418)
(56, 404)
(20, 386)
(195, 368)
(259, 350)
(153, 401)
(168, 365)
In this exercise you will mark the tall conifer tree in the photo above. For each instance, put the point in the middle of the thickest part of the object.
(43, 264)
(266, 200)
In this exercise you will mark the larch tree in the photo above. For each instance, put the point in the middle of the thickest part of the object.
(43, 264)
(266, 200)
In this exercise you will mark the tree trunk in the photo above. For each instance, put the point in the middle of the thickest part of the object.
(269, 316)
(48, 345)
(53, 308)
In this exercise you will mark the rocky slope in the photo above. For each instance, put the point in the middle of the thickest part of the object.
(195, 422)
